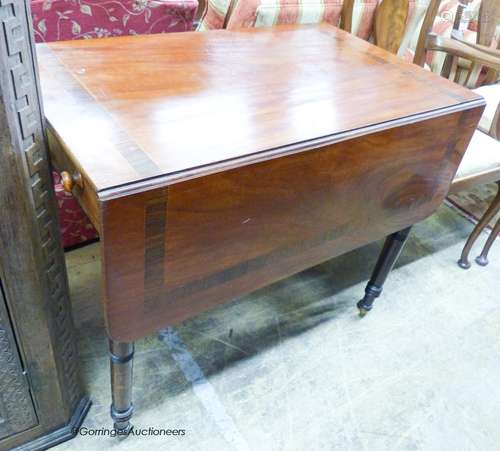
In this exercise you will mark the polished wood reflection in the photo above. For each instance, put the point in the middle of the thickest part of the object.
(216, 163)
(235, 231)
(134, 108)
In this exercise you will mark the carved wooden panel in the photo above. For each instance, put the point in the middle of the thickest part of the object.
(17, 412)
(32, 265)
(20, 92)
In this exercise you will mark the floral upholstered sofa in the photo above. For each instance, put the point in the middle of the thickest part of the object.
(57, 20)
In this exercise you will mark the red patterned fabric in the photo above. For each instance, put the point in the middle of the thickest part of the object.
(75, 226)
(58, 20)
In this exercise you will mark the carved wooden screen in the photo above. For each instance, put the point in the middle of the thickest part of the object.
(17, 412)
(32, 267)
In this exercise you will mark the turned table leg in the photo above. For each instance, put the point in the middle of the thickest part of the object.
(388, 256)
(121, 361)
(485, 220)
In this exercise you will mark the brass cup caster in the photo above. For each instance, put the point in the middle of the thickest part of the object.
(363, 308)
(362, 312)
(121, 421)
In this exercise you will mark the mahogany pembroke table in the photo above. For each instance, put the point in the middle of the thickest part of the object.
(215, 163)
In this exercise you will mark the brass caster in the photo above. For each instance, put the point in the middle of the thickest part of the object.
(362, 312)
(123, 431)
(482, 260)
(464, 264)
(121, 421)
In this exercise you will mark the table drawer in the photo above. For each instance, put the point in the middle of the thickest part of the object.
(83, 190)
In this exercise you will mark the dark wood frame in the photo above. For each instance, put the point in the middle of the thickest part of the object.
(388, 256)
(32, 267)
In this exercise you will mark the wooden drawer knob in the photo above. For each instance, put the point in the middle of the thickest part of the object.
(69, 181)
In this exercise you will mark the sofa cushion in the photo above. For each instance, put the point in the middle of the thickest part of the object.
(261, 13)
(364, 11)
(56, 20)
(215, 15)
(363, 18)
(416, 16)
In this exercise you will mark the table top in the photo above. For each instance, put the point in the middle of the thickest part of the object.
(145, 111)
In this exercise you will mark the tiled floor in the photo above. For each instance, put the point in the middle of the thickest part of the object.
(292, 366)
(476, 200)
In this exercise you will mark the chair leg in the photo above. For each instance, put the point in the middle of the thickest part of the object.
(390, 252)
(485, 220)
(121, 361)
(482, 259)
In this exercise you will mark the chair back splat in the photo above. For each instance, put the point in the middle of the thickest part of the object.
(488, 21)
(390, 24)
(428, 23)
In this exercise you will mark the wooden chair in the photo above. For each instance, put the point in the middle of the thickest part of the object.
(481, 163)
(213, 14)
(200, 13)
(401, 25)
(488, 20)
(391, 25)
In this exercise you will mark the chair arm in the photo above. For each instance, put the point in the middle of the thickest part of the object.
(462, 50)
(483, 48)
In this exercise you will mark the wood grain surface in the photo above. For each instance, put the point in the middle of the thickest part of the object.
(174, 252)
(221, 162)
(162, 108)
